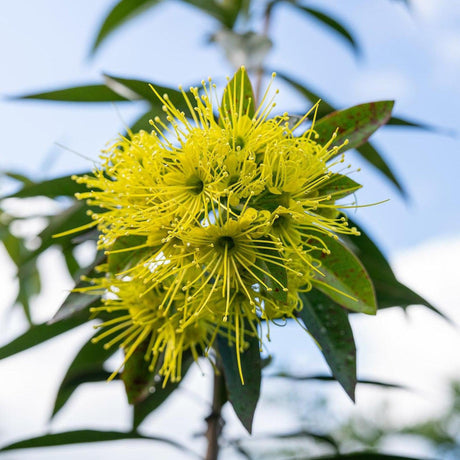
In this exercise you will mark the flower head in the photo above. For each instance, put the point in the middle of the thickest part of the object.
(221, 211)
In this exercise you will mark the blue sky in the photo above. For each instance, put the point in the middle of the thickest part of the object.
(413, 57)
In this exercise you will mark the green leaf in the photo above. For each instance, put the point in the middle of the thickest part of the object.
(225, 12)
(158, 393)
(324, 107)
(361, 456)
(85, 436)
(328, 323)
(41, 333)
(389, 291)
(369, 153)
(60, 186)
(338, 186)
(122, 12)
(143, 122)
(329, 378)
(243, 398)
(87, 366)
(141, 90)
(331, 24)
(18, 177)
(136, 376)
(119, 261)
(344, 279)
(238, 96)
(274, 276)
(85, 93)
(77, 302)
(355, 124)
(303, 434)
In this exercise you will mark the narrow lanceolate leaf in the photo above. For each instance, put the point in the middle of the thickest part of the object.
(328, 378)
(328, 323)
(85, 436)
(243, 398)
(369, 153)
(355, 124)
(60, 186)
(158, 393)
(123, 11)
(238, 96)
(141, 90)
(86, 93)
(87, 366)
(77, 302)
(389, 291)
(362, 456)
(343, 278)
(331, 24)
(338, 186)
(41, 333)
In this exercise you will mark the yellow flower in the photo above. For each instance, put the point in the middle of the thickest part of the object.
(228, 206)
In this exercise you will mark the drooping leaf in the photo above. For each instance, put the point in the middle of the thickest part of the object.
(328, 323)
(332, 24)
(362, 456)
(320, 437)
(225, 12)
(122, 12)
(238, 96)
(77, 302)
(86, 436)
(87, 366)
(369, 153)
(85, 93)
(41, 333)
(343, 278)
(311, 95)
(355, 124)
(389, 291)
(53, 188)
(158, 393)
(243, 398)
(329, 378)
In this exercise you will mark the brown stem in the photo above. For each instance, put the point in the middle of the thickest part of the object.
(214, 419)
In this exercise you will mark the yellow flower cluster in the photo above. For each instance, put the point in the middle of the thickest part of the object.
(217, 216)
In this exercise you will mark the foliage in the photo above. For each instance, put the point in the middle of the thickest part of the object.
(355, 267)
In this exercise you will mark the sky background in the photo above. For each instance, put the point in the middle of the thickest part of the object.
(410, 56)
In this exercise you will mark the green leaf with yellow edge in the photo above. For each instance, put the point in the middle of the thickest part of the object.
(121, 13)
(243, 398)
(328, 323)
(343, 278)
(87, 366)
(238, 97)
(355, 124)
